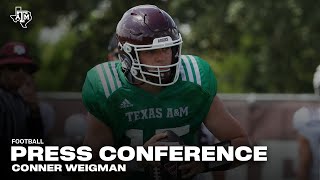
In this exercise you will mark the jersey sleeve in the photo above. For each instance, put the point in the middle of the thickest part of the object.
(198, 71)
(91, 98)
(209, 78)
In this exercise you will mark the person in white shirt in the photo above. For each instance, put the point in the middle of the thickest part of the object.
(306, 121)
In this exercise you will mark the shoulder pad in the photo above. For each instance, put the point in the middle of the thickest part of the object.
(107, 77)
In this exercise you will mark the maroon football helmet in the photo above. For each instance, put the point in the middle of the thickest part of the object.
(146, 27)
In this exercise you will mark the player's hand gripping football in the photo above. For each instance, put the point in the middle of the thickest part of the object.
(165, 169)
(153, 141)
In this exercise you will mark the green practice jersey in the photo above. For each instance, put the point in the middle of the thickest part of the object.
(135, 115)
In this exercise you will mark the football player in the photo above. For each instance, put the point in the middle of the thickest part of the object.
(307, 122)
(154, 88)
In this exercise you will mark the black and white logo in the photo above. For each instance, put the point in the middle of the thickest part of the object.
(21, 16)
(125, 104)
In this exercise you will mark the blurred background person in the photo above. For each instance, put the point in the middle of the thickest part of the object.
(307, 123)
(18, 119)
(316, 81)
(28, 91)
(75, 128)
(113, 48)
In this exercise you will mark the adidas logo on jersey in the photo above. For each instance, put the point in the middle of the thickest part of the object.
(125, 104)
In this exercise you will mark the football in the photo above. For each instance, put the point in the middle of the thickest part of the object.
(167, 170)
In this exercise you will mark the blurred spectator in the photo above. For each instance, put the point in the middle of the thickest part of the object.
(17, 119)
(29, 93)
(113, 48)
(75, 128)
(316, 81)
(306, 121)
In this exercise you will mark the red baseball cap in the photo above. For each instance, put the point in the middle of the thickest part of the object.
(16, 53)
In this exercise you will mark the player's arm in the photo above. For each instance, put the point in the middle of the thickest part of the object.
(225, 127)
(98, 135)
(305, 158)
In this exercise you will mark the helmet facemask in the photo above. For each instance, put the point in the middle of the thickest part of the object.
(154, 75)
